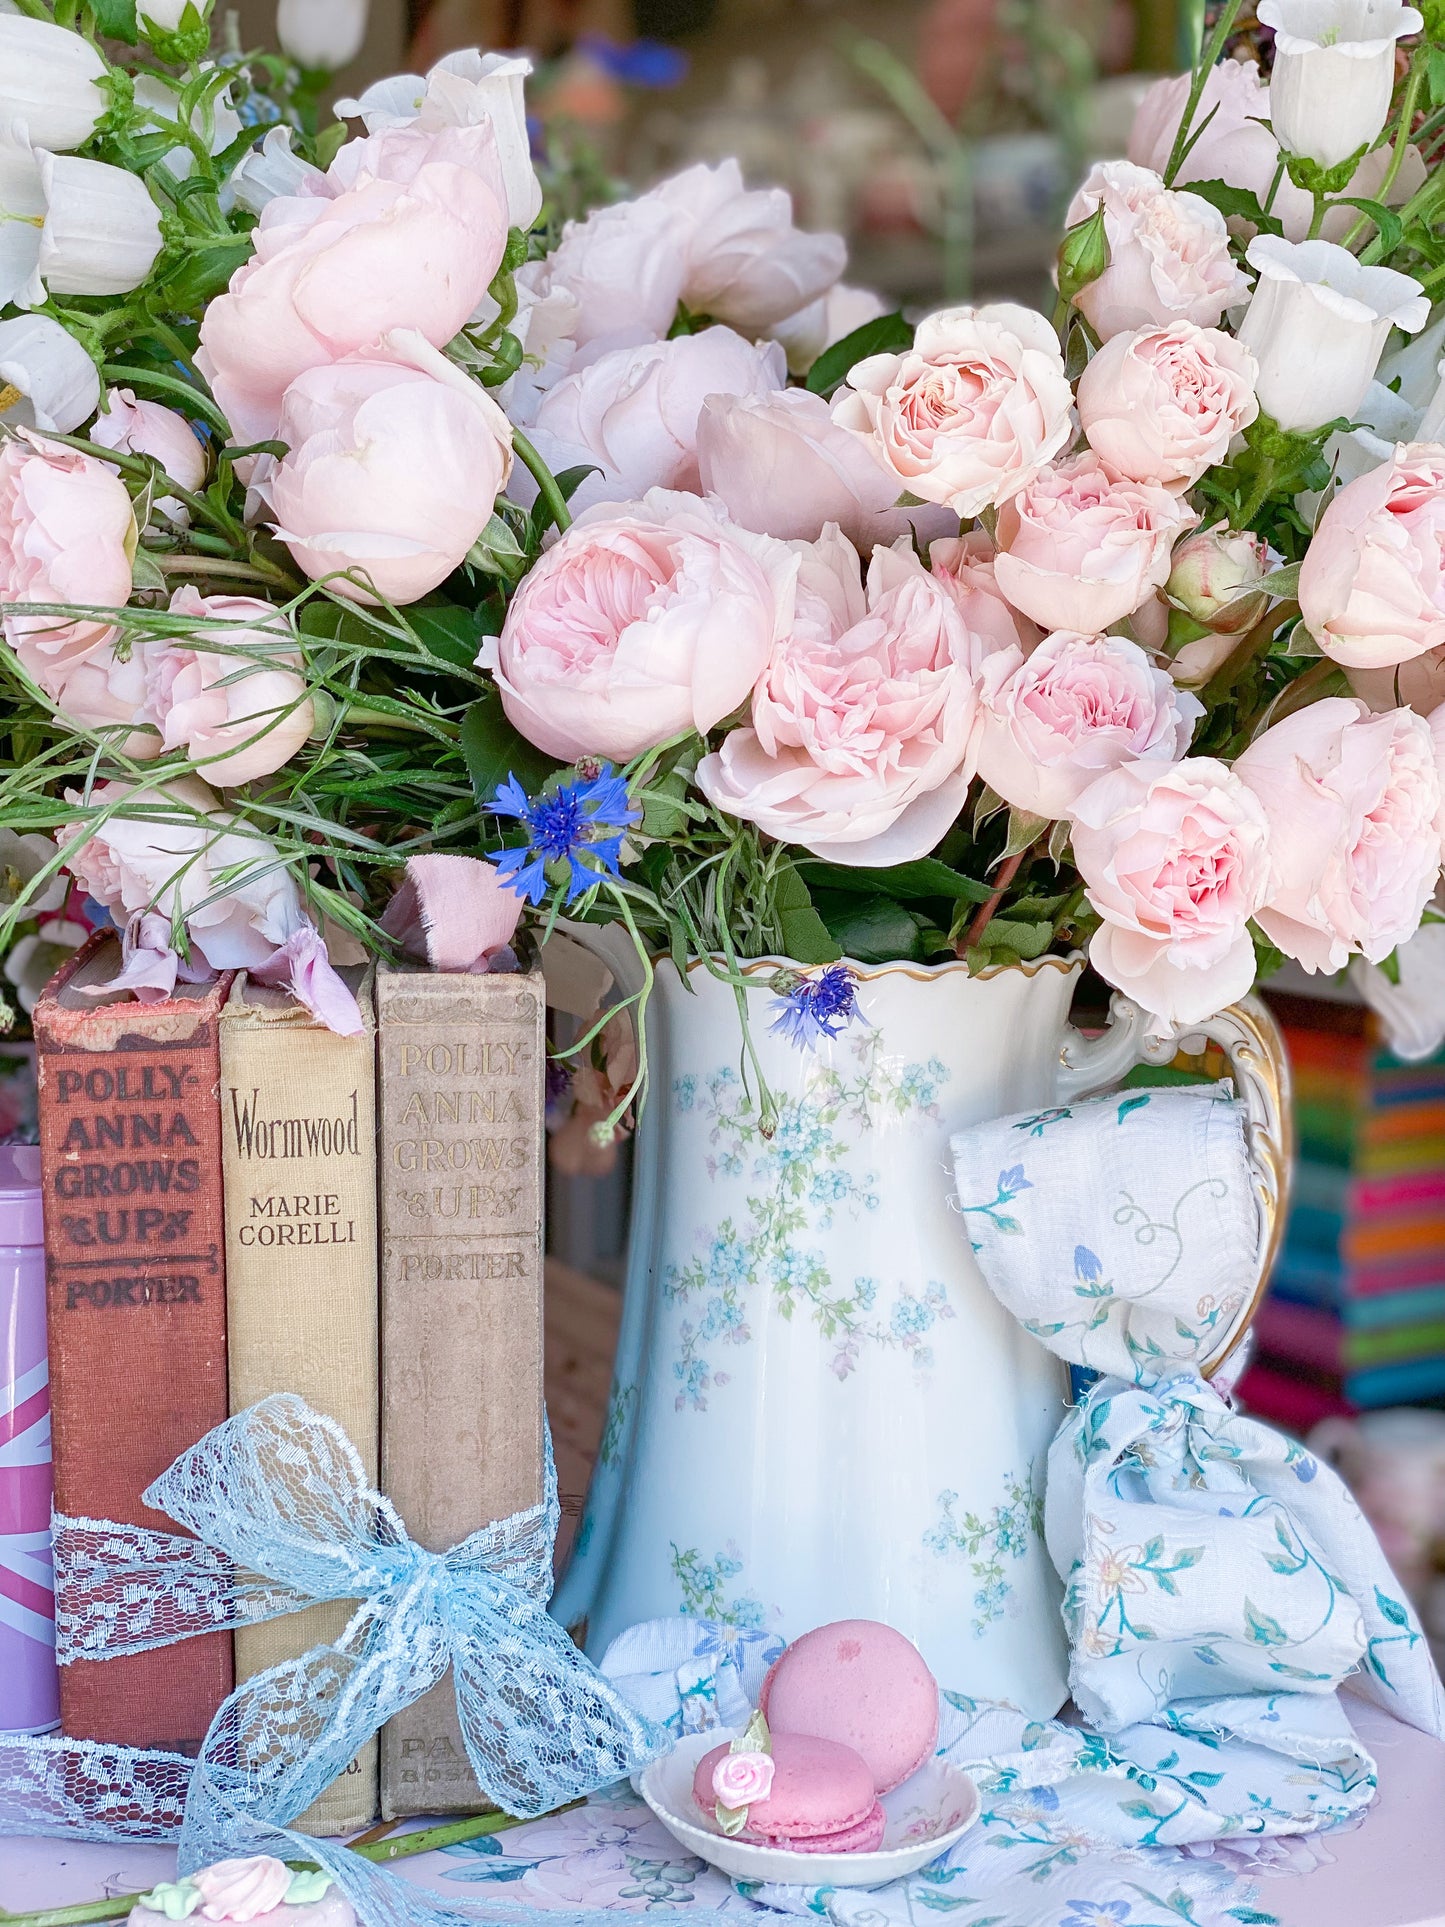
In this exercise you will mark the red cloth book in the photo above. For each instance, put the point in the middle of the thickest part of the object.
(130, 1133)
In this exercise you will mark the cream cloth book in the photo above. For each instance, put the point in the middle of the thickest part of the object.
(298, 1141)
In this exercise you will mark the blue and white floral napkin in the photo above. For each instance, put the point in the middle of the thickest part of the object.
(1122, 1231)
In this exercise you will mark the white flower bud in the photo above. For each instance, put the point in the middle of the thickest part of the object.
(321, 35)
(49, 82)
(1334, 72)
(102, 231)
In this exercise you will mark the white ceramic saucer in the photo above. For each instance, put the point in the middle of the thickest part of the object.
(925, 1816)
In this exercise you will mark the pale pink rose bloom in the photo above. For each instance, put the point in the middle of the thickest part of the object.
(1235, 143)
(137, 427)
(1082, 546)
(972, 412)
(396, 461)
(1053, 721)
(1175, 859)
(1169, 256)
(862, 725)
(746, 262)
(839, 312)
(964, 564)
(1163, 404)
(106, 691)
(415, 249)
(643, 621)
(170, 861)
(623, 268)
(239, 715)
(741, 1779)
(1353, 802)
(67, 534)
(784, 467)
(241, 1890)
(633, 413)
(1372, 584)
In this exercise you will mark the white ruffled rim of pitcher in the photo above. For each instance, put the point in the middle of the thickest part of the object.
(902, 967)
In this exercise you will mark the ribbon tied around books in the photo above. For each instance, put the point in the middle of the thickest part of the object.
(284, 1517)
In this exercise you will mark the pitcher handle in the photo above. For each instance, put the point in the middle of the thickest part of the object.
(1259, 1067)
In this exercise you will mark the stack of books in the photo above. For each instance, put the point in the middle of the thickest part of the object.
(239, 1202)
(1355, 1315)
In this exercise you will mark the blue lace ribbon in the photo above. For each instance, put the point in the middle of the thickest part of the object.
(284, 1517)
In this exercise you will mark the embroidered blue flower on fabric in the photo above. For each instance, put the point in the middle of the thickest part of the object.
(580, 824)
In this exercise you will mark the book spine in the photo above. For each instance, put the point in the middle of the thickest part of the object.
(298, 1143)
(136, 1307)
(460, 1185)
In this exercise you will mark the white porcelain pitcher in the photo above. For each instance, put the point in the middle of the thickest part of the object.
(819, 1410)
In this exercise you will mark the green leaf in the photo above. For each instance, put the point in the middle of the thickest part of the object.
(493, 751)
(889, 334)
(1024, 830)
(909, 882)
(874, 929)
(451, 633)
(1435, 74)
(1026, 940)
(1392, 228)
(806, 938)
(116, 20)
(1237, 201)
(568, 481)
(205, 272)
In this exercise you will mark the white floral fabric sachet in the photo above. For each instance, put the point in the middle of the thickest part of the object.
(1122, 1231)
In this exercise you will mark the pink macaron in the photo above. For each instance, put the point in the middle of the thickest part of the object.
(863, 1685)
(821, 1799)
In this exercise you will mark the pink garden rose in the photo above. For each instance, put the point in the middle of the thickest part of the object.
(965, 565)
(1169, 256)
(621, 270)
(237, 721)
(1175, 859)
(135, 427)
(242, 1890)
(1052, 721)
(1372, 584)
(1082, 546)
(1353, 802)
(971, 413)
(862, 725)
(643, 621)
(396, 461)
(413, 244)
(746, 262)
(633, 413)
(1163, 404)
(104, 690)
(67, 534)
(784, 467)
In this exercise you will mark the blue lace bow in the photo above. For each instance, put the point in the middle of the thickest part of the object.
(284, 1517)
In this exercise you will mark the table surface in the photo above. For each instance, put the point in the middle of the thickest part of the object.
(1387, 1871)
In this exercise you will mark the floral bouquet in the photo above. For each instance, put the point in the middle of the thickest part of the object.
(357, 505)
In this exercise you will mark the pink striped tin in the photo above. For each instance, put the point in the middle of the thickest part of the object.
(29, 1686)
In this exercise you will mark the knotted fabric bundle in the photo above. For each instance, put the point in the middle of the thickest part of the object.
(284, 1517)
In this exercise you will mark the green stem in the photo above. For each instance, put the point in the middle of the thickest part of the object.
(546, 481)
(1317, 219)
(1222, 28)
(1402, 141)
(195, 399)
(218, 565)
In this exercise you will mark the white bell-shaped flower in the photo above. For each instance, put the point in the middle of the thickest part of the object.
(1334, 72)
(47, 380)
(49, 82)
(321, 35)
(1317, 324)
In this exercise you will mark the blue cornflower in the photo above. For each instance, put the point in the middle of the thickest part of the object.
(581, 822)
(816, 1007)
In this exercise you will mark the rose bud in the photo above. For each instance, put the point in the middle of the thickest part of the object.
(1213, 573)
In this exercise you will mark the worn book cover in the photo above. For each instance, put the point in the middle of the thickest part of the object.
(459, 1167)
(298, 1142)
(136, 1303)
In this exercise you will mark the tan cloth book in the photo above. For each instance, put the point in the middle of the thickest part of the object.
(298, 1145)
(462, 1062)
